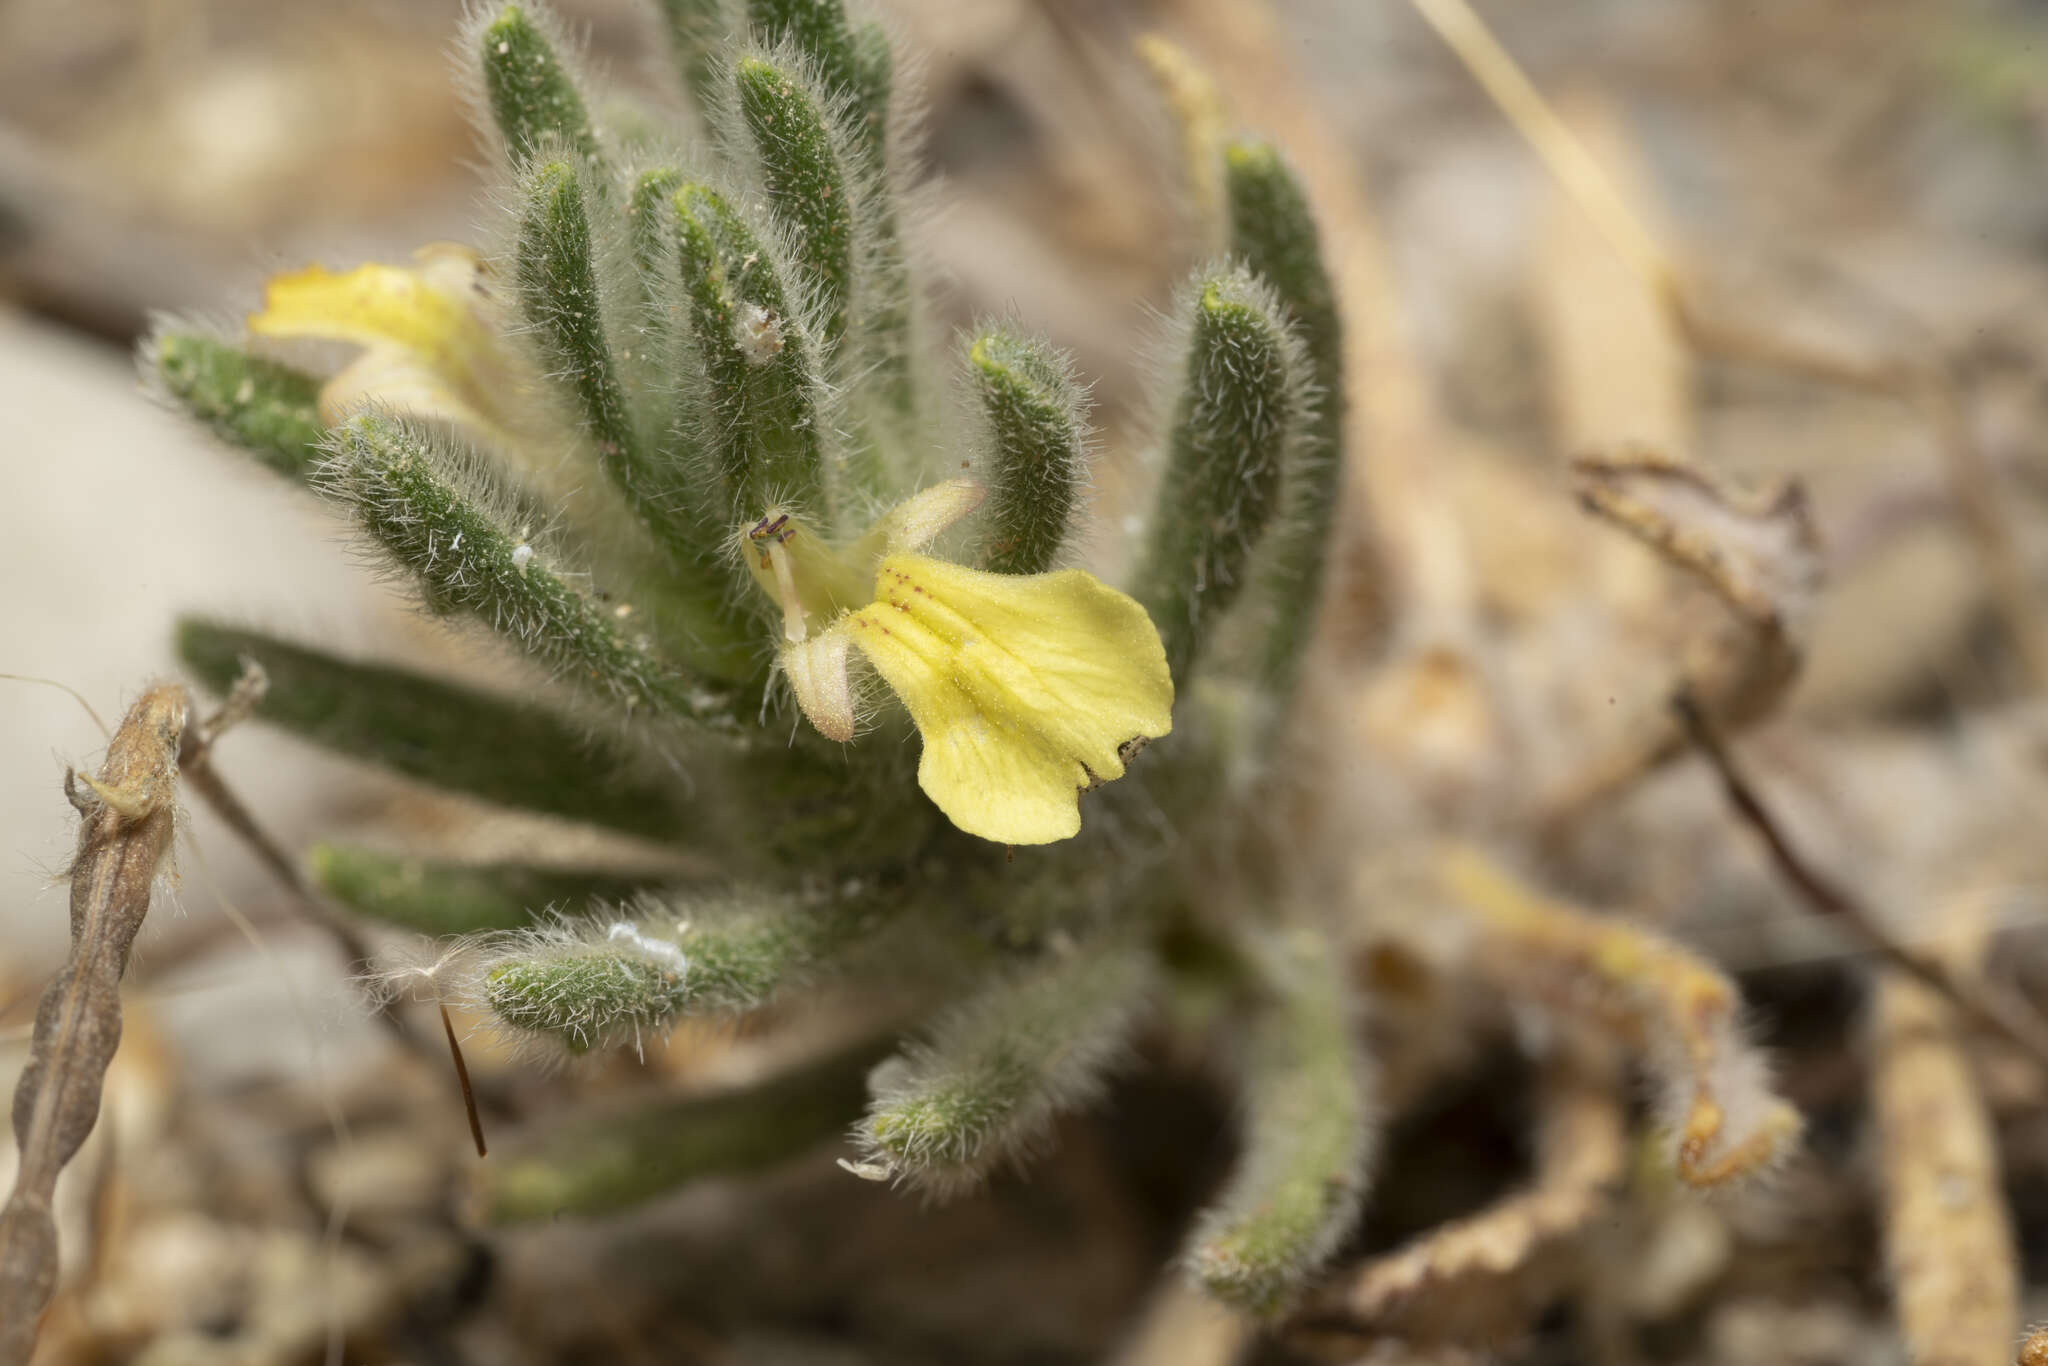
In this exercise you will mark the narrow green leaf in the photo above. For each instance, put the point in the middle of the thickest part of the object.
(818, 29)
(886, 290)
(856, 67)
(807, 182)
(440, 898)
(874, 77)
(626, 1155)
(654, 360)
(403, 490)
(505, 751)
(1273, 232)
(647, 213)
(698, 31)
(268, 409)
(682, 955)
(559, 294)
(759, 359)
(1301, 1169)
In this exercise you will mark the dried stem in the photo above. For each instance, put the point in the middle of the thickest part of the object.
(128, 816)
(476, 1123)
(1758, 553)
(1581, 174)
(206, 783)
(2003, 1014)
(1198, 108)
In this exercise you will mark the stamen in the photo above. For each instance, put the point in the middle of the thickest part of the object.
(785, 592)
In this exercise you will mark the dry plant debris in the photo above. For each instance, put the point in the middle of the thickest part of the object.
(1760, 557)
(1759, 554)
(1722, 1122)
(1484, 1275)
(127, 817)
(1948, 1235)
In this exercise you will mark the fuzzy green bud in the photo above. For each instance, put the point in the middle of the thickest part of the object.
(1037, 439)
(998, 1068)
(532, 97)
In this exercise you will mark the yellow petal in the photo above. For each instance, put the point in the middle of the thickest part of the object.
(917, 521)
(395, 379)
(426, 335)
(816, 668)
(422, 310)
(1024, 687)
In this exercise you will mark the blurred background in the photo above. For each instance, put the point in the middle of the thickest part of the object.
(1858, 196)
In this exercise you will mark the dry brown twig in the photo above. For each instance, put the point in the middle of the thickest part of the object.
(1918, 375)
(1759, 554)
(206, 783)
(128, 821)
(128, 816)
(1198, 111)
(1998, 1011)
(200, 776)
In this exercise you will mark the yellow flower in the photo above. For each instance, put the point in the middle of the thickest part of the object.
(1027, 689)
(429, 346)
